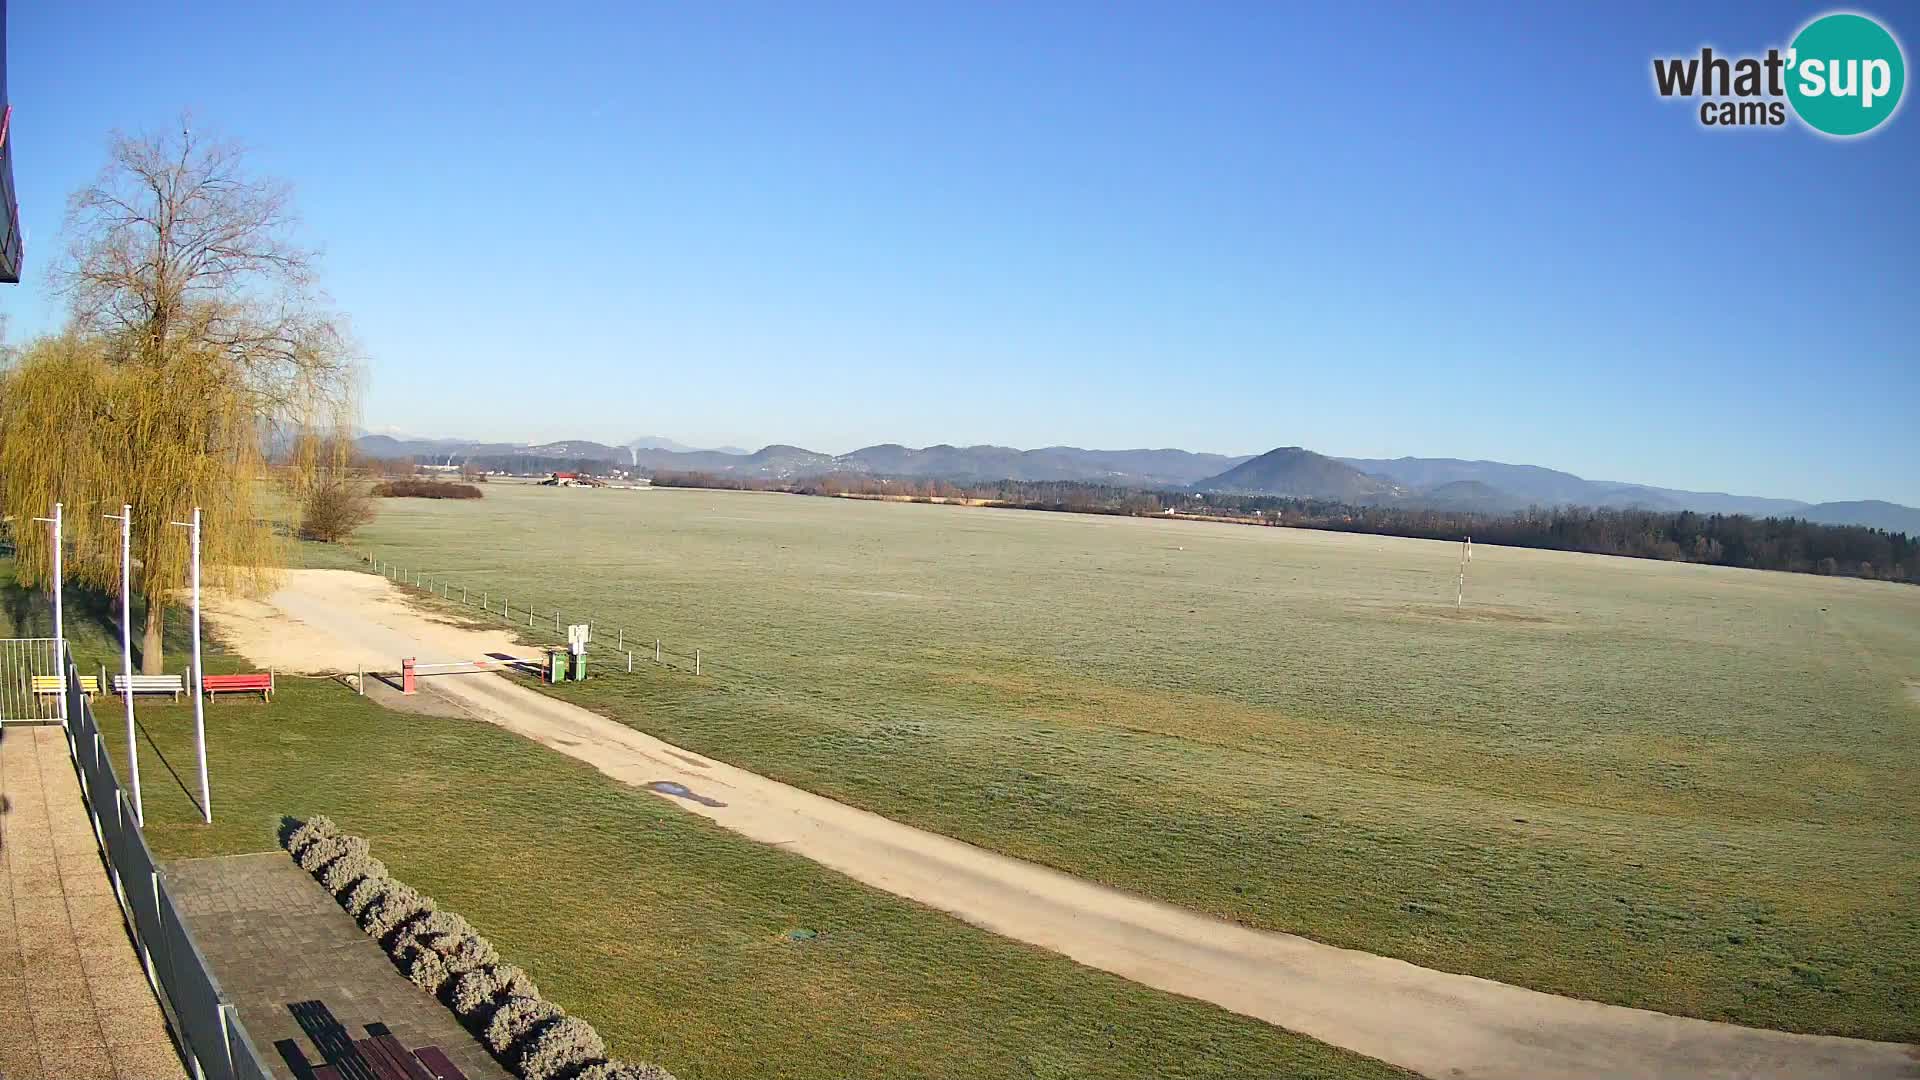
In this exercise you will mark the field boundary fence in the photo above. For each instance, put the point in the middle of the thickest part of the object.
(632, 651)
(206, 1023)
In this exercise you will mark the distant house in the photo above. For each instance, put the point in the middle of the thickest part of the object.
(572, 479)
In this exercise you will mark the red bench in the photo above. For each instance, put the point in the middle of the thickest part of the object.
(435, 1059)
(260, 682)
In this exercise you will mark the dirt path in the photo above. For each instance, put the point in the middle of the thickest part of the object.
(1443, 1025)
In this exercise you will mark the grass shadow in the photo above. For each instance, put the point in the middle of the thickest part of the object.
(175, 773)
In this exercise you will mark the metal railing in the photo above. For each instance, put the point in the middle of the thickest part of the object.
(22, 660)
(211, 1037)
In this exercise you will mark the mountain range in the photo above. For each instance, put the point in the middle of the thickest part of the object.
(1292, 471)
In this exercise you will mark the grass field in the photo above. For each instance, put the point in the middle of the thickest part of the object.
(668, 933)
(1677, 787)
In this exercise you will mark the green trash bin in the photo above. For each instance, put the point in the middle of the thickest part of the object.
(580, 666)
(556, 665)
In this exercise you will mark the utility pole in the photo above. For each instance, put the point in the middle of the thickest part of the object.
(199, 704)
(125, 518)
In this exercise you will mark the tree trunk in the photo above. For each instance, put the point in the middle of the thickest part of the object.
(151, 656)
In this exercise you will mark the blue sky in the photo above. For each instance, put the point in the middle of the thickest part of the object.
(1366, 231)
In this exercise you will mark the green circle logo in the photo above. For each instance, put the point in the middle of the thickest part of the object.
(1845, 74)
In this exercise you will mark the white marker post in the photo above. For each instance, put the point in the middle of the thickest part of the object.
(1466, 556)
(59, 621)
(199, 705)
(125, 518)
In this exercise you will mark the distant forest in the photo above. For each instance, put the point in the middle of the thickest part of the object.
(1788, 544)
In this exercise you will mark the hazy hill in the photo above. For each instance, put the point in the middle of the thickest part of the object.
(1470, 495)
(1533, 485)
(1875, 513)
(1438, 483)
(1167, 466)
(661, 442)
(1301, 474)
(576, 448)
(386, 446)
(1528, 482)
(1139, 468)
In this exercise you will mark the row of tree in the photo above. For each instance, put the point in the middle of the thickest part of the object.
(200, 368)
(1789, 544)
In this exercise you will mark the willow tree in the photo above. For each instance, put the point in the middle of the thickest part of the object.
(197, 346)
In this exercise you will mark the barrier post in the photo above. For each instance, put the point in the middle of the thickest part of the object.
(696, 661)
(656, 650)
(406, 675)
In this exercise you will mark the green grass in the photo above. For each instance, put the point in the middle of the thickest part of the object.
(670, 934)
(1683, 788)
(666, 932)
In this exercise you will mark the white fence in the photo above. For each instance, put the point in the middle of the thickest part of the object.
(22, 660)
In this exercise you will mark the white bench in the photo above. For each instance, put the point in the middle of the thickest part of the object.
(151, 684)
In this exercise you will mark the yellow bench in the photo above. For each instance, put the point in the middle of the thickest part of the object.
(50, 684)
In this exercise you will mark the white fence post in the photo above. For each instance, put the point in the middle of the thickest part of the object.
(226, 1034)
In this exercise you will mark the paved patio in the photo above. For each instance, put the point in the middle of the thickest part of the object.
(74, 1004)
(302, 974)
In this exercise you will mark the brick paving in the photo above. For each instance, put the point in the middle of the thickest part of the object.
(74, 1003)
(276, 940)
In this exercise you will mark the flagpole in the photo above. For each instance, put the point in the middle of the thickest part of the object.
(59, 621)
(126, 651)
(199, 704)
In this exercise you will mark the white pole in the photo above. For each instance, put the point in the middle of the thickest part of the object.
(199, 706)
(1460, 588)
(59, 609)
(126, 653)
(59, 621)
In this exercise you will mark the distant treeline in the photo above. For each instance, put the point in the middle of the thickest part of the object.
(1718, 539)
(425, 489)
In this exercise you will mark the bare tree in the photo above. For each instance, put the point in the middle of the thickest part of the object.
(338, 498)
(174, 244)
(199, 340)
